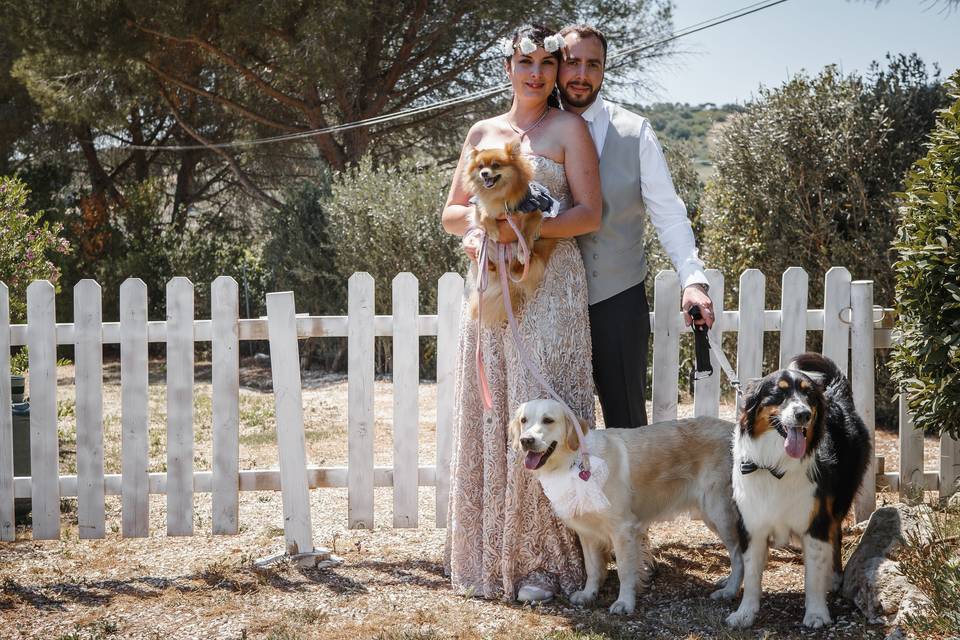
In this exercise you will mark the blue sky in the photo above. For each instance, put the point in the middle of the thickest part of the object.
(727, 63)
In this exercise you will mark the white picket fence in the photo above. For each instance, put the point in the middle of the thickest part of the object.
(847, 320)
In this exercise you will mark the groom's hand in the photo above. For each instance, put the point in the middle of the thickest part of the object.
(695, 295)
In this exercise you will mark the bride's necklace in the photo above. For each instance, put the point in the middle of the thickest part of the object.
(524, 132)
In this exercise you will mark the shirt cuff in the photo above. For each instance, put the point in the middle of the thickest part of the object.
(692, 273)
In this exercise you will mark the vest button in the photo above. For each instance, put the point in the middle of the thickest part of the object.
(594, 274)
(595, 256)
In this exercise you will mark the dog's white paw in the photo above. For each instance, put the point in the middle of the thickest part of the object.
(816, 619)
(741, 618)
(582, 598)
(622, 607)
(724, 593)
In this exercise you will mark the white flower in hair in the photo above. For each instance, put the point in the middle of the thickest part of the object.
(506, 46)
(527, 46)
(552, 43)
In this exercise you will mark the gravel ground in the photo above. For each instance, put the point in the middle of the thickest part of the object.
(391, 585)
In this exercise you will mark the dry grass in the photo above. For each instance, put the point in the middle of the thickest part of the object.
(391, 586)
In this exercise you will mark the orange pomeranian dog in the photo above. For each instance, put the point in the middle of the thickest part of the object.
(500, 180)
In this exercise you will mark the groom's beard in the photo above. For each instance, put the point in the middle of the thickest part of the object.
(579, 102)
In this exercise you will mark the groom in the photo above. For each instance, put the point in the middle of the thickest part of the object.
(634, 178)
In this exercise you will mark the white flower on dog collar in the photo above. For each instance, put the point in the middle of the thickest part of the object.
(552, 43)
(506, 46)
(527, 46)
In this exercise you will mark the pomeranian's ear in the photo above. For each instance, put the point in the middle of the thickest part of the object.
(473, 153)
(512, 148)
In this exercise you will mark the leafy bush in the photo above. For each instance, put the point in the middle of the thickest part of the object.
(933, 566)
(135, 239)
(386, 221)
(299, 257)
(926, 362)
(27, 246)
(806, 176)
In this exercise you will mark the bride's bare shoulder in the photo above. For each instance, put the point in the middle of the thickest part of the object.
(483, 128)
(569, 120)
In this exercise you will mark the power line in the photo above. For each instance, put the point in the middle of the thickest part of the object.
(451, 102)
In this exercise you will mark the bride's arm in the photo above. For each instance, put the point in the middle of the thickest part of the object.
(457, 210)
(583, 176)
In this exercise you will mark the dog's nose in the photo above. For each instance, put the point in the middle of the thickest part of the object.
(484, 173)
(802, 415)
(527, 442)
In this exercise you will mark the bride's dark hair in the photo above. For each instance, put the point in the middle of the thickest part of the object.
(537, 32)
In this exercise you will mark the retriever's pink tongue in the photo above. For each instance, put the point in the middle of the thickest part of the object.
(533, 459)
(795, 444)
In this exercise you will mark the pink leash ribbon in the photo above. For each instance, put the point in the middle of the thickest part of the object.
(505, 255)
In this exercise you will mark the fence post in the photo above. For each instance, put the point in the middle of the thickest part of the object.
(406, 389)
(291, 443)
(836, 332)
(180, 313)
(911, 457)
(88, 357)
(793, 314)
(8, 530)
(666, 345)
(44, 445)
(949, 465)
(360, 417)
(706, 392)
(862, 380)
(449, 302)
(750, 329)
(134, 381)
(224, 315)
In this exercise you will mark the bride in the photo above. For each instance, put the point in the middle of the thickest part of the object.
(503, 539)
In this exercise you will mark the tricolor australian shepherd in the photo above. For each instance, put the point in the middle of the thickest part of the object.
(799, 456)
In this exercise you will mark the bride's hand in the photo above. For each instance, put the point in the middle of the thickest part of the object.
(471, 242)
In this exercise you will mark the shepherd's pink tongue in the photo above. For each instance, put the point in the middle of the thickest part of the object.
(533, 459)
(795, 444)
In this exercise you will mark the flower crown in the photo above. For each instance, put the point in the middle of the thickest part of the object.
(528, 46)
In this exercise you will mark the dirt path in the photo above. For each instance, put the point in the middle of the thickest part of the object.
(391, 585)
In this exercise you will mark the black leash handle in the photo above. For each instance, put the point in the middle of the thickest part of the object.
(701, 345)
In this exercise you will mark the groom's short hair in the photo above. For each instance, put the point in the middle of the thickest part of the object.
(586, 31)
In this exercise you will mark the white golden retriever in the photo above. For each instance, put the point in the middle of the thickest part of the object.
(656, 473)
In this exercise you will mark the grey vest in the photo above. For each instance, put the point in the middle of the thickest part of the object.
(613, 255)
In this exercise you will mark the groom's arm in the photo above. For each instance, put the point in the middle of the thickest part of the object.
(668, 215)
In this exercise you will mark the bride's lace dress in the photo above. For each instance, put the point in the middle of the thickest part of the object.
(501, 531)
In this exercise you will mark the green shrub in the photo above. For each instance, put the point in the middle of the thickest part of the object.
(27, 246)
(926, 362)
(136, 239)
(806, 176)
(933, 566)
(299, 257)
(386, 221)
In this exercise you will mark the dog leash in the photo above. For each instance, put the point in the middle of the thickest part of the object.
(504, 255)
(534, 371)
(524, 252)
(703, 345)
